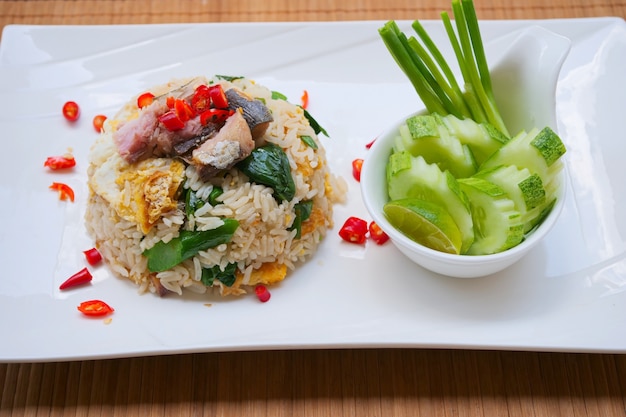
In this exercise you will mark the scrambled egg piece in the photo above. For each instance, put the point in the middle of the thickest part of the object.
(268, 274)
(142, 192)
(153, 191)
(316, 220)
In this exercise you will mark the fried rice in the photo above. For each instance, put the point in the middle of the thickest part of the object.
(133, 206)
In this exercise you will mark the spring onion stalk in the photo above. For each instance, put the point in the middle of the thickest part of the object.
(431, 76)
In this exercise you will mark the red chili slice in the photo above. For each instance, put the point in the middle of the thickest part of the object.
(215, 116)
(357, 165)
(183, 110)
(262, 293)
(71, 111)
(305, 99)
(145, 100)
(98, 122)
(93, 256)
(218, 97)
(60, 162)
(354, 230)
(171, 121)
(65, 191)
(81, 277)
(377, 234)
(201, 100)
(95, 308)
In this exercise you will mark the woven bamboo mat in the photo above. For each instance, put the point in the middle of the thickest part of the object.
(322, 383)
(402, 382)
(165, 11)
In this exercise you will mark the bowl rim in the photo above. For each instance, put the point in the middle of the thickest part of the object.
(379, 152)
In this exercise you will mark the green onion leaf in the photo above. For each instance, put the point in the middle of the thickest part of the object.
(431, 76)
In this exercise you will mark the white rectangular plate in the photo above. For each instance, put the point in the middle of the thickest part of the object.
(567, 295)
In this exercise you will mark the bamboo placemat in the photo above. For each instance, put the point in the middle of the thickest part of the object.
(352, 382)
(93, 12)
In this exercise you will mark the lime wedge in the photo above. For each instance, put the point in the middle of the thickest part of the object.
(426, 223)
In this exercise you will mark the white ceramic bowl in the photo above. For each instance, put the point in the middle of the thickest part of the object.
(524, 80)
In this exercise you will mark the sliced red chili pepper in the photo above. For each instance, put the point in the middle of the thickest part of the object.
(65, 191)
(215, 116)
(145, 100)
(218, 97)
(95, 308)
(93, 256)
(71, 111)
(171, 121)
(183, 110)
(201, 100)
(357, 165)
(60, 162)
(262, 293)
(98, 122)
(354, 230)
(377, 234)
(81, 277)
(369, 145)
(305, 99)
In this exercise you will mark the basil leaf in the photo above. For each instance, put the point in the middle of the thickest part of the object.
(278, 96)
(192, 202)
(215, 192)
(226, 277)
(305, 207)
(316, 126)
(303, 211)
(308, 140)
(163, 256)
(229, 77)
(269, 165)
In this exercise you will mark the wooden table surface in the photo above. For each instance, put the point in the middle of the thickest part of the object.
(352, 382)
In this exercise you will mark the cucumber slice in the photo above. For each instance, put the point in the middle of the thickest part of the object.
(427, 136)
(482, 138)
(410, 176)
(497, 223)
(535, 150)
(524, 188)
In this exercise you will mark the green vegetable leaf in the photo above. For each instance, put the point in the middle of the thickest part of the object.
(229, 77)
(226, 277)
(302, 211)
(278, 96)
(308, 140)
(215, 192)
(163, 256)
(192, 202)
(269, 165)
(316, 126)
